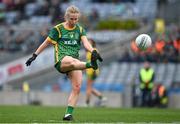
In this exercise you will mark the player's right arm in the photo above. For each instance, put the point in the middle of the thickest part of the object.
(42, 46)
(38, 51)
(51, 39)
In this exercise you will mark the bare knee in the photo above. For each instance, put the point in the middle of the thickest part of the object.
(73, 64)
(77, 88)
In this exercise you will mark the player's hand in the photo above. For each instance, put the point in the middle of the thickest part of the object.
(96, 55)
(28, 62)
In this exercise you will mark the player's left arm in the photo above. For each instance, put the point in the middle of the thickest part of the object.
(89, 47)
(86, 44)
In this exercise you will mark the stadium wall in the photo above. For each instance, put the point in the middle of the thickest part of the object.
(174, 100)
(60, 99)
(53, 98)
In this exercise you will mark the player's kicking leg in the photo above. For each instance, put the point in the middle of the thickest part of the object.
(68, 64)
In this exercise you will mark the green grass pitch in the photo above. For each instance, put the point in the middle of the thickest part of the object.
(43, 114)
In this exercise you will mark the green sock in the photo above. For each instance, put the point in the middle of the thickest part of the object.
(88, 65)
(69, 110)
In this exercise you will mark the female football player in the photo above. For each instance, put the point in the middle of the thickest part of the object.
(66, 38)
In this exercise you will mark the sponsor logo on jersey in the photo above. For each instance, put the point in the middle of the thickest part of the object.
(70, 42)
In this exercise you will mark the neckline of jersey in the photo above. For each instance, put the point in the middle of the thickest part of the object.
(70, 29)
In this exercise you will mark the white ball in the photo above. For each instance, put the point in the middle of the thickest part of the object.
(143, 41)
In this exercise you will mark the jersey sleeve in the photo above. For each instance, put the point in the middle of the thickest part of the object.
(82, 31)
(53, 35)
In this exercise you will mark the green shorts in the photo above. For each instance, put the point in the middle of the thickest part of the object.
(58, 64)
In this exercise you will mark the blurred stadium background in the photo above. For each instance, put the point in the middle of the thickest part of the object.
(113, 24)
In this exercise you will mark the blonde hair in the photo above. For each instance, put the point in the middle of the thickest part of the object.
(71, 10)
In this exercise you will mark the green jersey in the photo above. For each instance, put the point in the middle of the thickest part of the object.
(66, 42)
